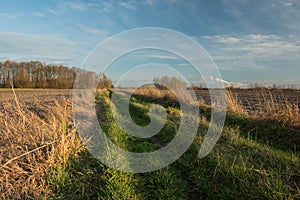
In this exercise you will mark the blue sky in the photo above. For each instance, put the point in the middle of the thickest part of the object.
(250, 41)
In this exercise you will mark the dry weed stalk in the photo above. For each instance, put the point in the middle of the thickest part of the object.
(156, 93)
(278, 109)
(35, 135)
(233, 103)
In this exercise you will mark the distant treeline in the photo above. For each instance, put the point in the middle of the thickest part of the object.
(35, 74)
(166, 82)
(255, 86)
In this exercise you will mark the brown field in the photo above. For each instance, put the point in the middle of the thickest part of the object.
(254, 99)
(280, 106)
(34, 93)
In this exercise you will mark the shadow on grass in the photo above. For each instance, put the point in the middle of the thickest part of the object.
(80, 178)
(262, 131)
(237, 168)
(266, 132)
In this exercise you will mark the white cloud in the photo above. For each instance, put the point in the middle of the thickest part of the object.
(287, 3)
(94, 31)
(46, 47)
(150, 2)
(222, 81)
(223, 39)
(38, 14)
(57, 11)
(134, 5)
(106, 6)
(129, 5)
(99, 6)
(63, 7)
(211, 81)
(241, 84)
(77, 6)
(8, 16)
(157, 56)
(254, 51)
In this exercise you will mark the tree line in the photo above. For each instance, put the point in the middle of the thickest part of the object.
(35, 74)
(166, 82)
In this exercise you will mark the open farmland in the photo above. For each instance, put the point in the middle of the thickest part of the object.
(31, 94)
(41, 157)
(150, 100)
(277, 106)
(255, 99)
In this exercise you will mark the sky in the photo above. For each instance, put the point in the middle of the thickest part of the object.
(248, 40)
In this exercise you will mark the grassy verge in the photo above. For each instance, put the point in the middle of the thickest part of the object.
(241, 166)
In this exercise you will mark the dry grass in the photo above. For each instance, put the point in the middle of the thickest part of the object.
(154, 92)
(279, 110)
(267, 107)
(233, 103)
(35, 135)
(165, 95)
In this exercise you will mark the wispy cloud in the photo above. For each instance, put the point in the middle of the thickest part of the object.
(223, 39)
(134, 5)
(56, 11)
(63, 7)
(7, 15)
(38, 14)
(21, 45)
(102, 6)
(255, 51)
(77, 6)
(156, 56)
(287, 3)
(97, 6)
(129, 5)
(44, 59)
(150, 2)
(95, 31)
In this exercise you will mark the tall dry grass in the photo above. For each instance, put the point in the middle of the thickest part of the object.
(35, 135)
(233, 103)
(151, 91)
(165, 95)
(267, 106)
(261, 104)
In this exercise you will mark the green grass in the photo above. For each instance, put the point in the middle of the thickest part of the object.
(248, 162)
